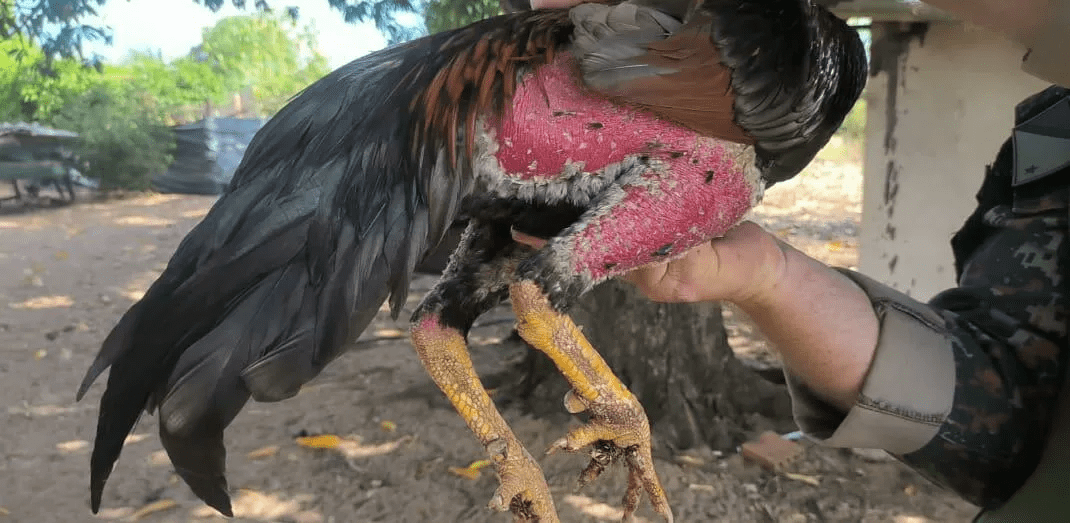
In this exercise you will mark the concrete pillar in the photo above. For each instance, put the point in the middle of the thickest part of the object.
(941, 103)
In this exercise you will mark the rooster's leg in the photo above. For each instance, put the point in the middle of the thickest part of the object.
(472, 284)
(618, 426)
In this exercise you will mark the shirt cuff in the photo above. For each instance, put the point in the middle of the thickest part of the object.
(908, 391)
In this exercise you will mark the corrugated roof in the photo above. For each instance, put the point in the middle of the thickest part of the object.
(34, 129)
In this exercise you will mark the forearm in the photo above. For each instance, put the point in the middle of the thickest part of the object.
(822, 324)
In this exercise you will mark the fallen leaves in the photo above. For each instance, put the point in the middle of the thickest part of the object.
(472, 470)
(263, 452)
(352, 447)
(322, 441)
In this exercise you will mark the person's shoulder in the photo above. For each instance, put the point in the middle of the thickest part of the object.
(1041, 136)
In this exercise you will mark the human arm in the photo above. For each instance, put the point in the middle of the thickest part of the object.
(821, 321)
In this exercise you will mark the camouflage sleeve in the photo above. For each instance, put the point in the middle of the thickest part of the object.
(1008, 320)
(1005, 330)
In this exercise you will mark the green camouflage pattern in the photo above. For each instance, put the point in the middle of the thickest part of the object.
(1008, 323)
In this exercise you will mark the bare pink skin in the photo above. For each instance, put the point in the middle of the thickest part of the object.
(697, 192)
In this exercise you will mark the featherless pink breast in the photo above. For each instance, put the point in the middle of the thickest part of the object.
(696, 188)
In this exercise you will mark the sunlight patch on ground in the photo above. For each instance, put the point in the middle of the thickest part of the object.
(266, 507)
(152, 508)
(136, 287)
(135, 438)
(144, 221)
(70, 447)
(159, 459)
(44, 302)
(598, 510)
(41, 411)
(912, 519)
(133, 295)
(149, 200)
(195, 213)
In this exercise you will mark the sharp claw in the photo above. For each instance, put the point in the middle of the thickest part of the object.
(641, 473)
(561, 444)
(497, 503)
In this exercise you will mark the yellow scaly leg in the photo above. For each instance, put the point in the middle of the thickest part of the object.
(523, 489)
(618, 425)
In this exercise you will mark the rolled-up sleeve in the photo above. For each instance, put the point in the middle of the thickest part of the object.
(908, 391)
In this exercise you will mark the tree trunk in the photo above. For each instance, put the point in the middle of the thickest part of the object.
(676, 359)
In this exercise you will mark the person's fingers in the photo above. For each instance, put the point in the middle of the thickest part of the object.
(551, 4)
(646, 278)
(527, 239)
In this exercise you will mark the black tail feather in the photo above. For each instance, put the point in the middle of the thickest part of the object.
(336, 200)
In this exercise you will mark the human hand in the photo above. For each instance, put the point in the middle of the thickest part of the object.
(742, 267)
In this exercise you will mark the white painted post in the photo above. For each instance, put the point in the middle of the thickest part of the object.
(940, 105)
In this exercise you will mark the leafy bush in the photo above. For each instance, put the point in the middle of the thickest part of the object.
(33, 88)
(123, 138)
(854, 125)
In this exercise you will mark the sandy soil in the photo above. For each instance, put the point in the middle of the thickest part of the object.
(66, 274)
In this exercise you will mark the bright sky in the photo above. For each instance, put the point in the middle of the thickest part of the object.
(174, 26)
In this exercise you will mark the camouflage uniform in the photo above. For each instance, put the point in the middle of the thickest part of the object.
(1004, 330)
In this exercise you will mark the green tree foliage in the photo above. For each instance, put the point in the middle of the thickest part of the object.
(60, 28)
(56, 27)
(123, 137)
(442, 15)
(270, 55)
(33, 88)
(120, 110)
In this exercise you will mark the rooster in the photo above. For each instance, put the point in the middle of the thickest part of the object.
(625, 133)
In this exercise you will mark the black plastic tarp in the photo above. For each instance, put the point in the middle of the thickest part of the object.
(207, 153)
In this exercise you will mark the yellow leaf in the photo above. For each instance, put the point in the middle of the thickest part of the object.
(4, 511)
(834, 246)
(472, 470)
(465, 472)
(388, 426)
(40, 354)
(62, 255)
(152, 508)
(322, 441)
(263, 452)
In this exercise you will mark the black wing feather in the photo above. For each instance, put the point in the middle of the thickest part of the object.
(797, 71)
(335, 202)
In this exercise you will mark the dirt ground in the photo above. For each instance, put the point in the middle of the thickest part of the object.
(66, 275)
